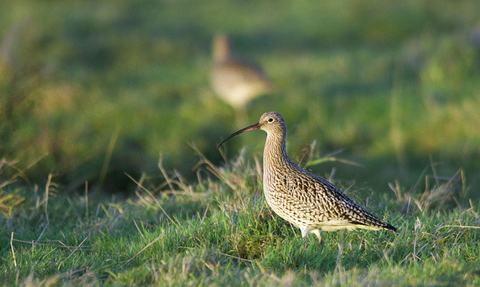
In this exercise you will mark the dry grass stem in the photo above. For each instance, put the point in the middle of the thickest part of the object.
(13, 250)
(145, 248)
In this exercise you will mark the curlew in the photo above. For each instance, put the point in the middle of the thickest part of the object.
(235, 81)
(306, 200)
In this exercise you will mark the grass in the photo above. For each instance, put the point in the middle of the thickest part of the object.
(220, 231)
(102, 102)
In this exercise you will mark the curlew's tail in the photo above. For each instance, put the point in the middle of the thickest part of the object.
(361, 218)
(374, 223)
(390, 227)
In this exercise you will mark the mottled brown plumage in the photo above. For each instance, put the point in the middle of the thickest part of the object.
(306, 200)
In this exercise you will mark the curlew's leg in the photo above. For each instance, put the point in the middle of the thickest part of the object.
(317, 233)
(305, 230)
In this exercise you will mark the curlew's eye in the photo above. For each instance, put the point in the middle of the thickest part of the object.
(270, 120)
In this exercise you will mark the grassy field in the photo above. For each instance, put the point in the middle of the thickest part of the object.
(219, 231)
(109, 173)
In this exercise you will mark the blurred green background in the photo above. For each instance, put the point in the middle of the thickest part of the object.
(97, 89)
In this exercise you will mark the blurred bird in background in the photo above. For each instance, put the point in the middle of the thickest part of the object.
(236, 81)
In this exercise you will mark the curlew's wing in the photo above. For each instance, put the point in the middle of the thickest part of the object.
(332, 206)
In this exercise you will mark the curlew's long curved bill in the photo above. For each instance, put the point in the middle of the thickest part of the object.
(249, 128)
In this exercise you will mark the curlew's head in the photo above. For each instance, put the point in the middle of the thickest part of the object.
(270, 122)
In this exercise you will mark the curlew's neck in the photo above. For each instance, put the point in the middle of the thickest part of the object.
(221, 49)
(275, 154)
